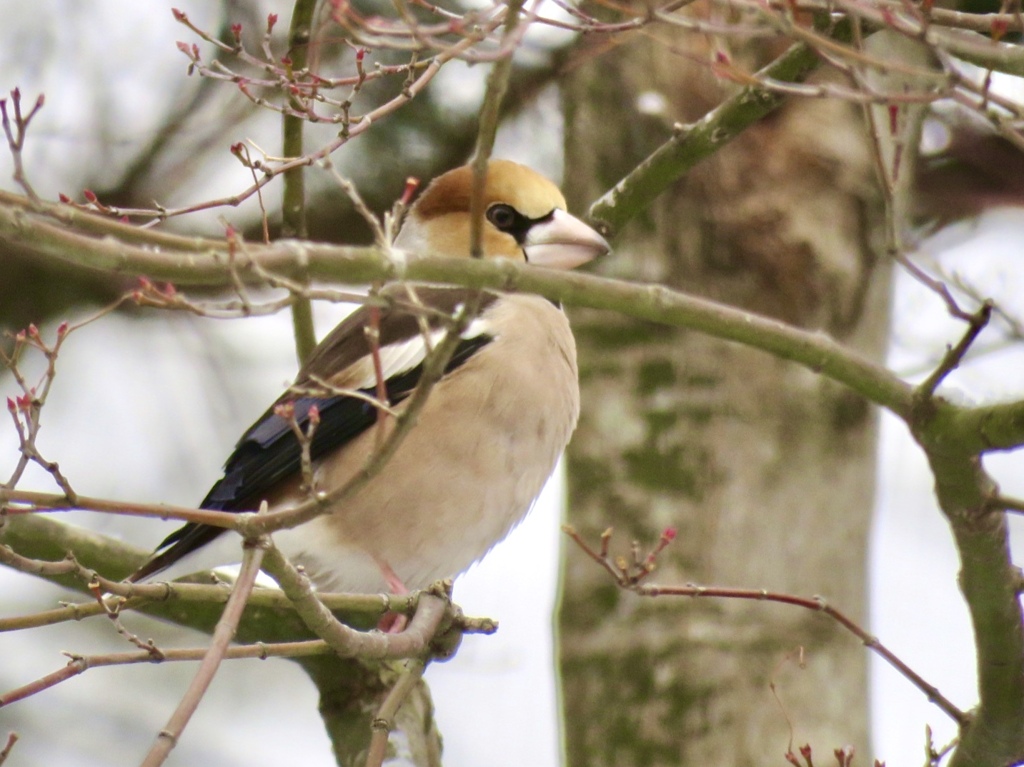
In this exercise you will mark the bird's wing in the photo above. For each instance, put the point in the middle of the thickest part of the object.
(270, 453)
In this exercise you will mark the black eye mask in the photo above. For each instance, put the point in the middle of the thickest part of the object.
(507, 219)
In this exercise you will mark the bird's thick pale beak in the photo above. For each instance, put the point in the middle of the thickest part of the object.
(563, 242)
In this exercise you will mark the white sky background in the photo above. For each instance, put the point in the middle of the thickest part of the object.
(124, 384)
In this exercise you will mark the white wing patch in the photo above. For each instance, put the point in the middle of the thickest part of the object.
(401, 357)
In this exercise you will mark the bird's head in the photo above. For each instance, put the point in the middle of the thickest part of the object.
(524, 219)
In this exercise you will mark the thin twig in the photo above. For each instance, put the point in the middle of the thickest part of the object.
(79, 664)
(241, 151)
(419, 81)
(778, 698)
(168, 737)
(293, 203)
(631, 579)
(112, 609)
(936, 286)
(497, 84)
(12, 738)
(1005, 503)
(29, 502)
(383, 723)
(372, 331)
(350, 190)
(26, 410)
(16, 137)
(347, 642)
(286, 411)
(954, 354)
(690, 144)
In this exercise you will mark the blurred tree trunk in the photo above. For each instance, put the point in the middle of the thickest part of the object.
(351, 696)
(766, 470)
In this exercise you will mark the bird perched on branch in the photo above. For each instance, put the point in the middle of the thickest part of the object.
(482, 446)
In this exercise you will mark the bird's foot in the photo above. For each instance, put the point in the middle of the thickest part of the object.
(392, 622)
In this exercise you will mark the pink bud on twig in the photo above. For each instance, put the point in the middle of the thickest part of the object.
(844, 756)
(411, 185)
(999, 27)
(805, 752)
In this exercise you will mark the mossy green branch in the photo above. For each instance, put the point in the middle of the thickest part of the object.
(293, 208)
(94, 242)
(350, 688)
(269, 616)
(487, 130)
(998, 427)
(693, 143)
(989, 582)
(952, 435)
(188, 261)
(348, 265)
(656, 303)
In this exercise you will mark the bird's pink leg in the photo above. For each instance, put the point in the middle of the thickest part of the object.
(392, 622)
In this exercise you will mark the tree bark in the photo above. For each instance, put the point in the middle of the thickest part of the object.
(766, 470)
(351, 694)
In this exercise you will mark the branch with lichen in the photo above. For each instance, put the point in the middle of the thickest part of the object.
(293, 205)
(204, 262)
(953, 435)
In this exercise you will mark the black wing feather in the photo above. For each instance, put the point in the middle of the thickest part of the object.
(269, 452)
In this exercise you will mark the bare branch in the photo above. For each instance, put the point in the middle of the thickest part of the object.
(385, 719)
(293, 204)
(28, 501)
(692, 143)
(361, 265)
(347, 642)
(79, 664)
(222, 636)
(12, 738)
(955, 354)
(630, 577)
(497, 84)
(16, 137)
(1004, 503)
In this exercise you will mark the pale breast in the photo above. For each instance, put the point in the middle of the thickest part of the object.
(482, 448)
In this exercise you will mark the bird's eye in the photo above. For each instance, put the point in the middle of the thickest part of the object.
(504, 217)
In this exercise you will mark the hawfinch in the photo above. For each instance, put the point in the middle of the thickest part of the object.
(484, 443)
